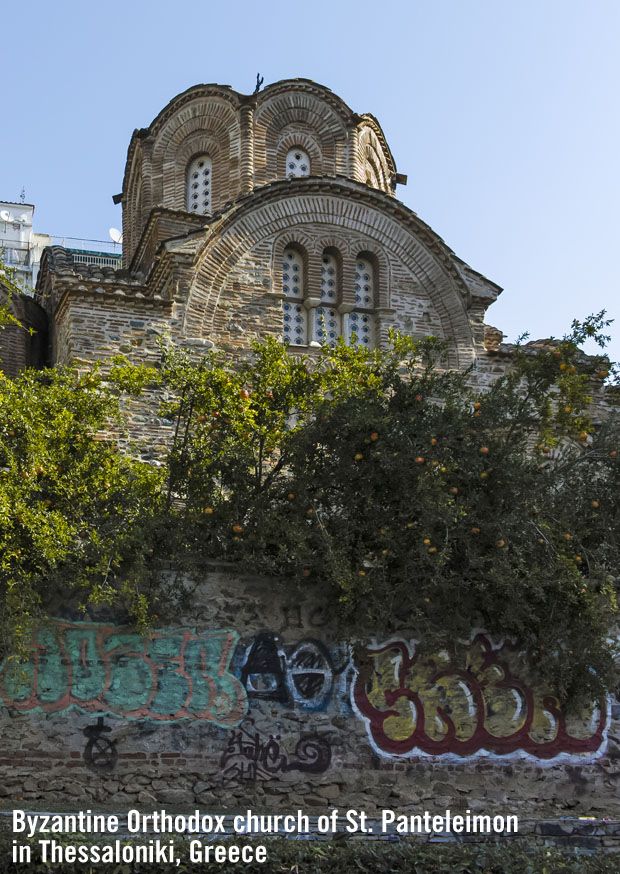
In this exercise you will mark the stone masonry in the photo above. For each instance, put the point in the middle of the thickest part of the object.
(253, 700)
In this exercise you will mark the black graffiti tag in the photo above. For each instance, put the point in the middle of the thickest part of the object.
(249, 756)
(100, 753)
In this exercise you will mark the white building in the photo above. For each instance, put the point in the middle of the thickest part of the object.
(20, 247)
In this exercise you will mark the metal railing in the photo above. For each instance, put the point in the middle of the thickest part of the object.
(14, 255)
(100, 258)
(81, 243)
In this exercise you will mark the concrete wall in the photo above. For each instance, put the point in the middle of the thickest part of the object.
(253, 700)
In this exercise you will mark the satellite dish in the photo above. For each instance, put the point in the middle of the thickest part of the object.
(115, 235)
(4, 215)
(23, 218)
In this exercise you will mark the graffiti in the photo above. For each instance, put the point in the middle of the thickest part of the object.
(472, 701)
(248, 756)
(437, 704)
(100, 753)
(165, 676)
(264, 673)
(301, 673)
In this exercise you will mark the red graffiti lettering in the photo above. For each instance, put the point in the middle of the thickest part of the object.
(440, 704)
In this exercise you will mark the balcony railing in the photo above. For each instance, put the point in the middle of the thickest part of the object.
(14, 255)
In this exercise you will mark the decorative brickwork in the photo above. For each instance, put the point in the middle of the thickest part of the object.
(204, 256)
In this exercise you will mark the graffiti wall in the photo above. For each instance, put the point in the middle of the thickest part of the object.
(436, 704)
(271, 703)
(168, 675)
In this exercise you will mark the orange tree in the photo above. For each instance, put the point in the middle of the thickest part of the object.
(412, 498)
(417, 500)
(73, 508)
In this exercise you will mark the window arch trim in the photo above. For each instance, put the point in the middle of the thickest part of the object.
(296, 139)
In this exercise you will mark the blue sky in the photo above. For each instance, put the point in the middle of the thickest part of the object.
(504, 115)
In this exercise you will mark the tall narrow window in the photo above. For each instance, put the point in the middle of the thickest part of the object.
(326, 320)
(359, 329)
(297, 163)
(325, 325)
(199, 185)
(329, 279)
(364, 284)
(359, 325)
(295, 315)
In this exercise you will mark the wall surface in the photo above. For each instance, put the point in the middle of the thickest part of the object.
(252, 700)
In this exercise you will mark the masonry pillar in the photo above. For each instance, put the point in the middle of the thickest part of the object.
(247, 147)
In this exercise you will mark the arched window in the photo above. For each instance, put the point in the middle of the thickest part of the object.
(359, 324)
(364, 284)
(329, 278)
(295, 315)
(326, 320)
(199, 185)
(297, 163)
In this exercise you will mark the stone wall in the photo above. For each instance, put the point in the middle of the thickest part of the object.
(22, 343)
(252, 699)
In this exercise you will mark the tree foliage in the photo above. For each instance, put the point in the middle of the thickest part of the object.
(8, 285)
(415, 500)
(72, 507)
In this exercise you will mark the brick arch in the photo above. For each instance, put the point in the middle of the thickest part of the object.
(370, 154)
(364, 246)
(198, 143)
(295, 239)
(194, 96)
(301, 111)
(209, 123)
(308, 87)
(331, 241)
(291, 138)
(301, 209)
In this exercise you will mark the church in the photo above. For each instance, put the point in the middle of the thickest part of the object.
(252, 215)
(275, 215)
